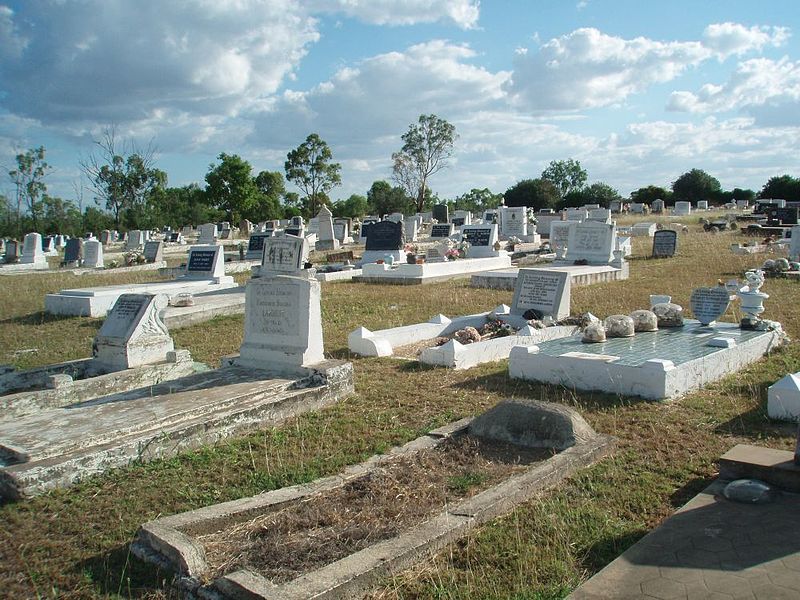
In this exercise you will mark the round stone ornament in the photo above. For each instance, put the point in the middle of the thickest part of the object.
(619, 326)
(594, 334)
(669, 314)
(644, 320)
(750, 491)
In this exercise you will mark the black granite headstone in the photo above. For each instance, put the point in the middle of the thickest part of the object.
(477, 236)
(458, 221)
(782, 216)
(441, 230)
(256, 242)
(154, 251)
(440, 213)
(12, 251)
(665, 243)
(385, 235)
(201, 260)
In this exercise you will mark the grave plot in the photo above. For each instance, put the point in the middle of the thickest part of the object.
(280, 372)
(132, 349)
(464, 342)
(338, 535)
(205, 272)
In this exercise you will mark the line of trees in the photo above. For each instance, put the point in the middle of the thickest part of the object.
(130, 192)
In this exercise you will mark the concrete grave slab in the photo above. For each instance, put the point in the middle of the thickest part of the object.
(654, 365)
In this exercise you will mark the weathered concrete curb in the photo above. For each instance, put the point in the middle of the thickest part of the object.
(169, 542)
(202, 416)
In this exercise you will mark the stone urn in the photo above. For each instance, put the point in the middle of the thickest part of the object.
(752, 298)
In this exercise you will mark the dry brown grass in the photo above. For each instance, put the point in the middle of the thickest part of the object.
(73, 543)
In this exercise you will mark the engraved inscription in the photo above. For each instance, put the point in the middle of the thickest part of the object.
(275, 309)
(538, 290)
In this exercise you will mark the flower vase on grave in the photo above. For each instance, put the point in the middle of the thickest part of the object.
(752, 299)
(388, 259)
(411, 258)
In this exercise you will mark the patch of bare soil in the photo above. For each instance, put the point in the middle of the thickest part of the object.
(412, 351)
(326, 527)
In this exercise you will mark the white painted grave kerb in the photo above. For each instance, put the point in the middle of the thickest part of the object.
(783, 398)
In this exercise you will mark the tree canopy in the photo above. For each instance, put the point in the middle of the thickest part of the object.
(27, 178)
(310, 168)
(535, 193)
(383, 199)
(355, 206)
(597, 193)
(566, 175)
(426, 147)
(477, 200)
(646, 195)
(695, 185)
(783, 187)
(230, 186)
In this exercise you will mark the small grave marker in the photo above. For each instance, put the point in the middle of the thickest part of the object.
(665, 243)
(709, 303)
(547, 292)
(154, 251)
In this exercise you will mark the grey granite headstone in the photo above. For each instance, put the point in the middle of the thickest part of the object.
(440, 213)
(284, 254)
(547, 292)
(154, 251)
(709, 303)
(73, 252)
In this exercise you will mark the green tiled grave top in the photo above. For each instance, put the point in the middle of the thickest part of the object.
(678, 344)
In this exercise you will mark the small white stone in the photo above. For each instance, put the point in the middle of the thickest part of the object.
(594, 333)
(619, 326)
(644, 320)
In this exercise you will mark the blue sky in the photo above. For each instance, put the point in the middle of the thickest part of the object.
(638, 92)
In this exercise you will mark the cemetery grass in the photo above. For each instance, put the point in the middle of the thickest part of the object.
(74, 543)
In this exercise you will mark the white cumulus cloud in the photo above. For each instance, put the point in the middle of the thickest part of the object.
(463, 13)
(727, 39)
(587, 68)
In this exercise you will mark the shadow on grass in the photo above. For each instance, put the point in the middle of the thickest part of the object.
(606, 549)
(118, 572)
(499, 382)
(41, 317)
(755, 425)
(689, 490)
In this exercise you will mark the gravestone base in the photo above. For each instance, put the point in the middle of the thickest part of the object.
(58, 447)
(370, 256)
(406, 274)
(326, 245)
(506, 279)
(655, 365)
(40, 265)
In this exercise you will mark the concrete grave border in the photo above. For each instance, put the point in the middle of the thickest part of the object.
(169, 542)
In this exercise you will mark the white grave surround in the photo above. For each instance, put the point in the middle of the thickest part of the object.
(547, 292)
(643, 230)
(653, 379)
(32, 254)
(483, 237)
(794, 243)
(93, 255)
(783, 398)
(453, 354)
(133, 333)
(403, 273)
(682, 209)
(283, 318)
(205, 272)
(326, 238)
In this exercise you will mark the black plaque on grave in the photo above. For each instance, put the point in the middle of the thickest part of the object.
(782, 216)
(458, 221)
(201, 260)
(385, 235)
(295, 231)
(154, 251)
(477, 236)
(440, 213)
(256, 241)
(441, 230)
(74, 250)
(665, 243)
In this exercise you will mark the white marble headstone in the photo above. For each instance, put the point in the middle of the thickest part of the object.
(285, 254)
(709, 303)
(205, 262)
(93, 254)
(593, 242)
(32, 252)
